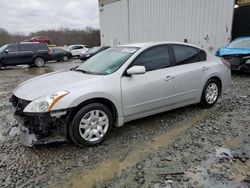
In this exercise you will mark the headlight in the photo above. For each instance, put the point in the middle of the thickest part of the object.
(45, 103)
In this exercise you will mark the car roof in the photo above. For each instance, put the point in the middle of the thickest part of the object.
(148, 44)
(240, 38)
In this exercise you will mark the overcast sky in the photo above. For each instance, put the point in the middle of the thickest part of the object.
(32, 15)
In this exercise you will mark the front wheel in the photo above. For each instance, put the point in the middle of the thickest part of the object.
(91, 125)
(210, 93)
(39, 62)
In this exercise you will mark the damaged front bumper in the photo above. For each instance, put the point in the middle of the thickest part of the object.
(40, 128)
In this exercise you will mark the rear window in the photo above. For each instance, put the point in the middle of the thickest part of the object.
(40, 46)
(187, 54)
(240, 43)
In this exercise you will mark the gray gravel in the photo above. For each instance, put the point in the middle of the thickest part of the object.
(225, 125)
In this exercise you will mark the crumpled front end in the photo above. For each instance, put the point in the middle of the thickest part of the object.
(239, 58)
(239, 63)
(39, 128)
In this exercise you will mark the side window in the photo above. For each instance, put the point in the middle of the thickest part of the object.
(25, 47)
(203, 55)
(58, 51)
(186, 54)
(154, 58)
(79, 47)
(13, 48)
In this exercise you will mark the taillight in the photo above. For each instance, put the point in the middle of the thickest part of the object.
(50, 52)
(226, 63)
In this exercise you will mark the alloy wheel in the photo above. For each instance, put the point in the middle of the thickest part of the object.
(212, 93)
(94, 125)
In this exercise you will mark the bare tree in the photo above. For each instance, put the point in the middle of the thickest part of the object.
(63, 36)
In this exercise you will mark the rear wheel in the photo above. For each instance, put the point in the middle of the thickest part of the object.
(91, 125)
(0, 65)
(39, 61)
(65, 58)
(210, 93)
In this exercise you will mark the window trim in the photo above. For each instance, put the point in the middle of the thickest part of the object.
(174, 58)
(171, 58)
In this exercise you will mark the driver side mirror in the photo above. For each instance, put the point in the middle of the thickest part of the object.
(136, 70)
(7, 51)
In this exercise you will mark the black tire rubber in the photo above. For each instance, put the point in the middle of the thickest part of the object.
(37, 64)
(74, 126)
(0, 65)
(203, 101)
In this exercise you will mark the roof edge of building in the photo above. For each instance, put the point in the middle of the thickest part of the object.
(105, 2)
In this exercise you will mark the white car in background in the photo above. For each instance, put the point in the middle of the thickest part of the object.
(77, 49)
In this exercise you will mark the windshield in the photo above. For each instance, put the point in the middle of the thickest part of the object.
(3, 48)
(107, 61)
(94, 49)
(240, 43)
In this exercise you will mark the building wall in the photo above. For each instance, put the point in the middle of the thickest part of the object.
(114, 23)
(207, 23)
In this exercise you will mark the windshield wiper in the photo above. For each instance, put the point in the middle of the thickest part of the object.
(74, 68)
(88, 72)
(83, 71)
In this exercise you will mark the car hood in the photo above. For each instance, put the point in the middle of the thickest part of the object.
(233, 51)
(53, 82)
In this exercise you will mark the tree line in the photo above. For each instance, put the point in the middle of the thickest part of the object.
(64, 36)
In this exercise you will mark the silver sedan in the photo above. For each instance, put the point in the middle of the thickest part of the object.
(118, 85)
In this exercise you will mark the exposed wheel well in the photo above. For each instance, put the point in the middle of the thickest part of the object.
(219, 80)
(104, 101)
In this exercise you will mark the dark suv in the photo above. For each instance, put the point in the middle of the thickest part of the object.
(24, 53)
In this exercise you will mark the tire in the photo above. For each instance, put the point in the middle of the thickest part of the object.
(39, 62)
(210, 93)
(87, 129)
(0, 65)
(65, 58)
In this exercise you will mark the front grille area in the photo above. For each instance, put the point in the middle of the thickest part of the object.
(41, 124)
(18, 104)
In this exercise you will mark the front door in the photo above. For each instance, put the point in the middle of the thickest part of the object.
(11, 55)
(152, 90)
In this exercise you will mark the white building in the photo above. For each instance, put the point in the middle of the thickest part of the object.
(206, 23)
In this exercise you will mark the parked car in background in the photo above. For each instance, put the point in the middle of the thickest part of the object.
(237, 53)
(92, 51)
(59, 54)
(118, 85)
(40, 39)
(77, 49)
(24, 53)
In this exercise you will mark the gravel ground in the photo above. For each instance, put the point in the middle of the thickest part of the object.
(180, 148)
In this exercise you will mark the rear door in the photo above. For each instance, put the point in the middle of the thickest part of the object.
(189, 71)
(26, 53)
(150, 91)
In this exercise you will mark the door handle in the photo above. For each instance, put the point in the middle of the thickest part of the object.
(204, 68)
(168, 78)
